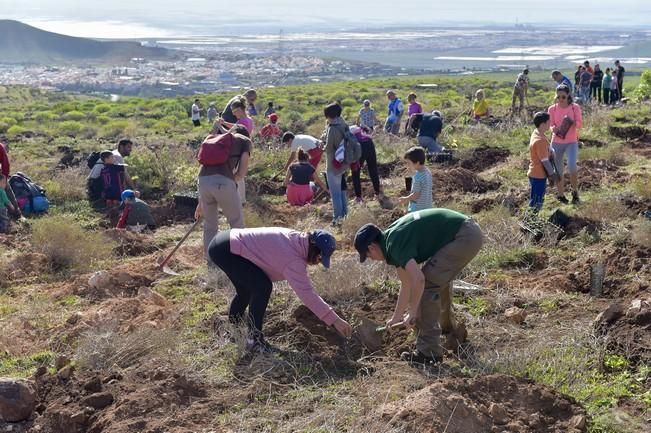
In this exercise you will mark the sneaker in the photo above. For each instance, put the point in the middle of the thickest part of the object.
(575, 198)
(562, 199)
(416, 357)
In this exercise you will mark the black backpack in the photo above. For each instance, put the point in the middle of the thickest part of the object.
(92, 159)
(30, 196)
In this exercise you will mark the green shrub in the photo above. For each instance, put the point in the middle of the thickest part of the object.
(643, 90)
(102, 108)
(115, 128)
(74, 115)
(9, 121)
(45, 116)
(69, 128)
(15, 130)
(67, 245)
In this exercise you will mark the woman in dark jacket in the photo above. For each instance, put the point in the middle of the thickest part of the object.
(595, 85)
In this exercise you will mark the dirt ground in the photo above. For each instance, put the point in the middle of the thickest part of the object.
(494, 403)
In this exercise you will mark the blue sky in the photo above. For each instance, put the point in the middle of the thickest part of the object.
(140, 18)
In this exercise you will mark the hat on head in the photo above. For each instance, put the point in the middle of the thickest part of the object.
(273, 117)
(364, 237)
(326, 243)
(367, 102)
(128, 194)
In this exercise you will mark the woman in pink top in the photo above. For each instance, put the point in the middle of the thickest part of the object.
(238, 108)
(254, 258)
(565, 139)
(412, 111)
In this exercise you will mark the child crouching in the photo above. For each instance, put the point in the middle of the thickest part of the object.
(136, 214)
(297, 180)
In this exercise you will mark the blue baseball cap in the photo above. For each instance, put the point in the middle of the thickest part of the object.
(128, 194)
(364, 237)
(326, 243)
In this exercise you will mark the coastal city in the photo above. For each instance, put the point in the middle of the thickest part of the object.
(190, 75)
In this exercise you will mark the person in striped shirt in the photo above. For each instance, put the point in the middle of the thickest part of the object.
(420, 196)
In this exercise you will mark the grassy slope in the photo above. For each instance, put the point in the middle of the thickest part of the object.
(550, 353)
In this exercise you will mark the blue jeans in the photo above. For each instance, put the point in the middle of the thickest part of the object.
(338, 197)
(585, 94)
(430, 144)
(538, 187)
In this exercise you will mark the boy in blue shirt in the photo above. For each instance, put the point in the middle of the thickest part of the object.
(420, 196)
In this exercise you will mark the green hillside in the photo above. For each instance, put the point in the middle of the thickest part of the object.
(161, 346)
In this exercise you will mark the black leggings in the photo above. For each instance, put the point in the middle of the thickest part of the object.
(368, 156)
(252, 285)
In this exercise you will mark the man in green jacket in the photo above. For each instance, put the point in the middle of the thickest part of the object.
(444, 242)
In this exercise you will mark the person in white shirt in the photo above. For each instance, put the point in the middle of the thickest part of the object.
(124, 149)
(196, 113)
(311, 145)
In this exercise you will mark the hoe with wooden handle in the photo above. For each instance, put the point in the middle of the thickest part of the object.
(163, 266)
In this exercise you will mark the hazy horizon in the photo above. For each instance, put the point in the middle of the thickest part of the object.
(171, 18)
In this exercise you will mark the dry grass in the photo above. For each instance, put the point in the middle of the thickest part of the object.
(104, 348)
(67, 245)
(67, 185)
(347, 276)
(641, 232)
(357, 217)
(605, 209)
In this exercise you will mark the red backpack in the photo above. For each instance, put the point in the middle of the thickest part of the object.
(215, 149)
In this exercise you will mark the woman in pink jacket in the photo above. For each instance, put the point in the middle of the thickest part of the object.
(254, 258)
(566, 120)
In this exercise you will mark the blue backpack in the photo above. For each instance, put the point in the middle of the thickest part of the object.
(30, 196)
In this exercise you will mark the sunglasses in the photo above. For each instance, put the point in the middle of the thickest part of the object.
(562, 97)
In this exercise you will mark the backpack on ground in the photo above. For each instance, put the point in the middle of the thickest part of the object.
(92, 159)
(352, 149)
(215, 149)
(29, 196)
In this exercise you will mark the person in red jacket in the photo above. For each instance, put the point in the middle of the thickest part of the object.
(5, 168)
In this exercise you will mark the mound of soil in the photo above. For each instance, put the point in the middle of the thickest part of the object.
(511, 201)
(386, 169)
(628, 132)
(636, 204)
(305, 331)
(25, 265)
(627, 330)
(164, 214)
(622, 263)
(642, 145)
(484, 157)
(131, 243)
(593, 173)
(110, 403)
(495, 403)
(461, 180)
(590, 142)
(258, 186)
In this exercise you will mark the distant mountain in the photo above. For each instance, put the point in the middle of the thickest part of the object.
(21, 43)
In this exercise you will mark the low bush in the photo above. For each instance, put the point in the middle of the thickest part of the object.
(15, 130)
(69, 127)
(67, 245)
(66, 186)
(74, 115)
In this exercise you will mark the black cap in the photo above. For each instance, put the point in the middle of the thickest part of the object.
(364, 237)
